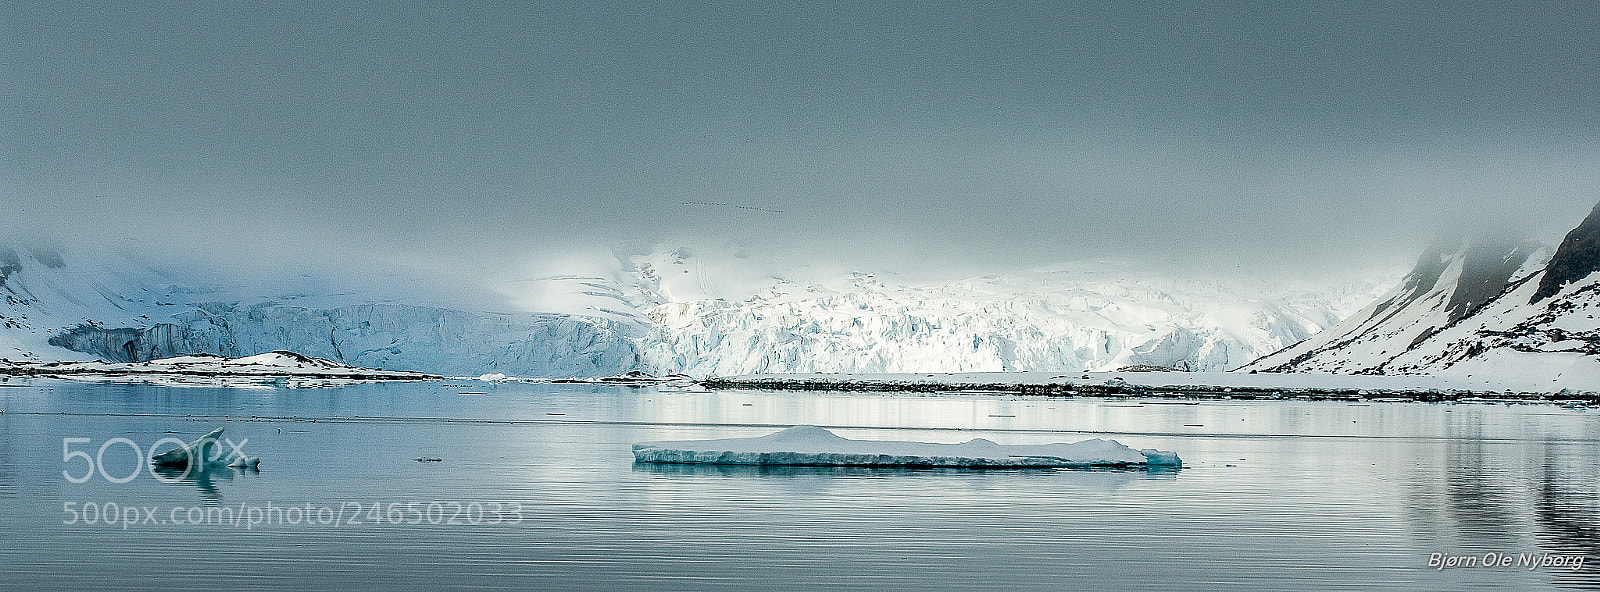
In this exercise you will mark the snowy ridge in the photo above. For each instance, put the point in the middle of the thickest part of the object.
(1543, 327)
(814, 446)
(1556, 341)
(41, 295)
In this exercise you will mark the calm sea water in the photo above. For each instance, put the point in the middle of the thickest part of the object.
(535, 488)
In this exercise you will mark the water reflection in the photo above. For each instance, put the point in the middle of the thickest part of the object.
(206, 481)
(8, 470)
(1524, 499)
(1279, 495)
(1567, 509)
(701, 470)
(1479, 496)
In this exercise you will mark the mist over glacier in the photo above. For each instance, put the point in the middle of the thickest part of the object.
(700, 309)
(1091, 315)
(378, 183)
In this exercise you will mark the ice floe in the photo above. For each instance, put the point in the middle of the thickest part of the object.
(814, 446)
(207, 450)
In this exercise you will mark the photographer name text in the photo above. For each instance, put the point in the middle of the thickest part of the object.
(1529, 561)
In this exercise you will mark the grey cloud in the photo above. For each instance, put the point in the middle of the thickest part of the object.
(953, 136)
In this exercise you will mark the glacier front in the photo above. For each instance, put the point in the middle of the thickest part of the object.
(1086, 316)
(703, 311)
(65, 307)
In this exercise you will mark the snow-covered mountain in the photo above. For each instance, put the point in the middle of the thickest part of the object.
(701, 310)
(123, 310)
(1506, 309)
(1449, 283)
(1084, 316)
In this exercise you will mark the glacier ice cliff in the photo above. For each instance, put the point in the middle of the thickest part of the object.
(122, 310)
(699, 311)
(1070, 318)
(388, 336)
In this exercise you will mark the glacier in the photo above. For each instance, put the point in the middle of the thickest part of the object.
(672, 309)
(1086, 316)
(815, 446)
(60, 307)
(386, 336)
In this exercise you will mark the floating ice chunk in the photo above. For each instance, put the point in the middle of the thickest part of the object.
(246, 462)
(198, 450)
(207, 452)
(1160, 458)
(814, 446)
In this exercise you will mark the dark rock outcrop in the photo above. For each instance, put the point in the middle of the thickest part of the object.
(1576, 257)
(9, 264)
(1486, 273)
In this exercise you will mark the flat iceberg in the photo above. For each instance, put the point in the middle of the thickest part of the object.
(814, 446)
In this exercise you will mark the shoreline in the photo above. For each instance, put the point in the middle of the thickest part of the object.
(277, 364)
(68, 374)
(1169, 385)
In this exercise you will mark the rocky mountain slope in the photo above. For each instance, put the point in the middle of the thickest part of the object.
(1504, 309)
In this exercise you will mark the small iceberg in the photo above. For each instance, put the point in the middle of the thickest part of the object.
(814, 446)
(208, 451)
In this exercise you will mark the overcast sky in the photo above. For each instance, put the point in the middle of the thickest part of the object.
(969, 136)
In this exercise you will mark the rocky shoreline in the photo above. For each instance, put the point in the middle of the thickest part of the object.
(1123, 387)
(278, 364)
